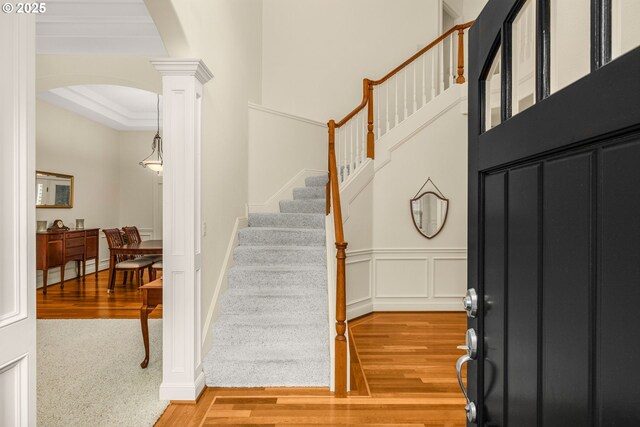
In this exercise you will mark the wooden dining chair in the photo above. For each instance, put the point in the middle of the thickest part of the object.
(157, 266)
(133, 236)
(125, 263)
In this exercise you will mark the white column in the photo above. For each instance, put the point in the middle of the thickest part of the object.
(182, 85)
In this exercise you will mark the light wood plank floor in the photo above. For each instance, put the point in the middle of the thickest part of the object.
(89, 300)
(408, 361)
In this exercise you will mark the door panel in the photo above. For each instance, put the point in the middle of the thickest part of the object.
(494, 290)
(565, 293)
(522, 272)
(619, 285)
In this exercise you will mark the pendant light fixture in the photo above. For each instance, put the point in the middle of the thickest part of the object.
(154, 160)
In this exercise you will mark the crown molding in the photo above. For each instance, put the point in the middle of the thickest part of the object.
(92, 105)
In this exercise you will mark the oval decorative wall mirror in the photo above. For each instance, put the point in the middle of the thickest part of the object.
(429, 211)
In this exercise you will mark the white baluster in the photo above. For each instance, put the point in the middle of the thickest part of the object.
(424, 83)
(441, 75)
(433, 73)
(363, 148)
(415, 88)
(376, 97)
(396, 105)
(346, 158)
(451, 63)
(406, 109)
(386, 85)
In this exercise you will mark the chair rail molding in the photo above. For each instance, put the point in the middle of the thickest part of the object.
(182, 89)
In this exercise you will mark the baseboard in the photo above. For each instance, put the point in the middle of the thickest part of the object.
(455, 305)
(221, 284)
(53, 278)
(189, 392)
(273, 204)
(359, 309)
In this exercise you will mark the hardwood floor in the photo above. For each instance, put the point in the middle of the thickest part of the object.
(408, 361)
(89, 300)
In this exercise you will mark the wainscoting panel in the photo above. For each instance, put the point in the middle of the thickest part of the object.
(449, 277)
(359, 279)
(401, 277)
(405, 279)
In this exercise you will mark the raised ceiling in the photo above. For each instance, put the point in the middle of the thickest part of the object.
(97, 27)
(118, 107)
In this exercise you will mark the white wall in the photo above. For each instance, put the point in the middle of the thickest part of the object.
(229, 42)
(316, 53)
(390, 266)
(282, 146)
(110, 188)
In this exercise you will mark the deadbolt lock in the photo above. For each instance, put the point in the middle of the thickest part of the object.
(470, 303)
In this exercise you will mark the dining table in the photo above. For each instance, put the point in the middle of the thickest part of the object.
(147, 247)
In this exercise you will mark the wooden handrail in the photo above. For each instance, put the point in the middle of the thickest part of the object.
(341, 246)
(367, 93)
(422, 52)
(333, 195)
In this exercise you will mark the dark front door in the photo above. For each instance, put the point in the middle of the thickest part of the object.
(554, 229)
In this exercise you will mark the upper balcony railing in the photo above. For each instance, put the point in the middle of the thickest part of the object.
(398, 95)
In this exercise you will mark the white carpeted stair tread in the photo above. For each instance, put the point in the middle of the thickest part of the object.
(269, 255)
(235, 332)
(287, 220)
(303, 206)
(234, 302)
(271, 352)
(267, 236)
(303, 193)
(316, 181)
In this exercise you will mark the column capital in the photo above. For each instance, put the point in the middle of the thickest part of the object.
(183, 67)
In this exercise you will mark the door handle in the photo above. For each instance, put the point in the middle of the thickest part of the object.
(470, 303)
(470, 407)
(471, 348)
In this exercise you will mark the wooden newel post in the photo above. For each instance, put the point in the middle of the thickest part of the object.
(370, 136)
(460, 78)
(341, 325)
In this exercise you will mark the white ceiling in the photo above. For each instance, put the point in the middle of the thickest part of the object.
(118, 107)
(97, 27)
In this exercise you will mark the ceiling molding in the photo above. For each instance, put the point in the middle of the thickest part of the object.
(86, 102)
(103, 27)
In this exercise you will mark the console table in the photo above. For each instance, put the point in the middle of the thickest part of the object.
(57, 248)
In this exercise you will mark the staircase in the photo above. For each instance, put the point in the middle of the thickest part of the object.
(273, 329)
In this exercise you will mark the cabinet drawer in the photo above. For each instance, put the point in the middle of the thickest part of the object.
(78, 250)
(74, 242)
(53, 237)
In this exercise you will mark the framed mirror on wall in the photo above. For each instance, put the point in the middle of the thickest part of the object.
(429, 210)
(54, 190)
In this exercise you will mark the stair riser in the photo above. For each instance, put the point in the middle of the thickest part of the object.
(307, 373)
(290, 220)
(247, 255)
(261, 335)
(309, 193)
(303, 206)
(316, 181)
(278, 282)
(239, 304)
(274, 237)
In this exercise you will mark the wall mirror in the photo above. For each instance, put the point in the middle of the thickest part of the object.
(429, 210)
(54, 190)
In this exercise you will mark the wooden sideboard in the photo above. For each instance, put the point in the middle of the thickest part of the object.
(57, 248)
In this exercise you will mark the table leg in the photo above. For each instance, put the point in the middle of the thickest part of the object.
(144, 322)
(62, 276)
(44, 281)
(84, 268)
(112, 273)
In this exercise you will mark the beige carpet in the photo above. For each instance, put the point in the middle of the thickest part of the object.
(89, 374)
